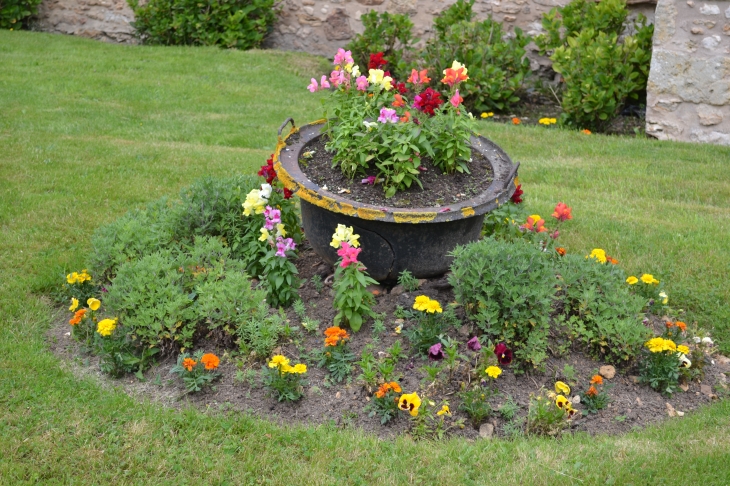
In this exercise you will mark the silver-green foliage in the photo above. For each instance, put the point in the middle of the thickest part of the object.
(508, 290)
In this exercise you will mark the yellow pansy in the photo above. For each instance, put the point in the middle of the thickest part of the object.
(444, 411)
(561, 387)
(410, 402)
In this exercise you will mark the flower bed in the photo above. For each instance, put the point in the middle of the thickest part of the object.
(522, 337)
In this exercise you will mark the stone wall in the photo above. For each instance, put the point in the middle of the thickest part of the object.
(688, 95)
(105, 20)
(321, 26)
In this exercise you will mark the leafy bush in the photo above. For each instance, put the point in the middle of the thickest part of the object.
(240, 24)
(388, 33)
(508, 289)
(599, 72)
(13, 13)
(497, 65)
(599, 309)
(260, 332)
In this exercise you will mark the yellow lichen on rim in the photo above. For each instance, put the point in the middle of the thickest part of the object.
(414, 217)
(372, 214)
(467, 211)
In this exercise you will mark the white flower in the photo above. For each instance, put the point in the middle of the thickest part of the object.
(355, 71)
(664, 296)
(707, 341)
(698, 339)
(369, 125)
(265, 191)
(684, 361)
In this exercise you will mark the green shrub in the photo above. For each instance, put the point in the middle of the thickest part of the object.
(138, 233)
(240, 24)
(600, 71)
(259, 332)
(496, 65)
(508, 289)
(599, 309)
(388, 33)
(14, 13)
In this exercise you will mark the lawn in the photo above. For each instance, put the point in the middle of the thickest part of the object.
(89, 130)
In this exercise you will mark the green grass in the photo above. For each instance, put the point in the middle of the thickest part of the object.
(88, 130)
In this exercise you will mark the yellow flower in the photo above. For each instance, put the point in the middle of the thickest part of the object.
(377, 76)
(74, 304)
(421, 303)
(344, 233)
(632, 280)
(669, 345)
(649, 279)
(72, 278)
(281, 231)
(682, 349)
(433, 306)
(493, 371)
(106, 326)
(278, 360)
(655, 345)
(444, 411)
(93, 304)
(264, 234)
(487, 114)
(457, 65)
(547, 121)
(561, 387)
(254, 202)
(83, 276)
(410, 403)
(285, 368)
(562, 402)
(684, 361)
(300, 368)
(665, 297)
(599, 255)
(535, 218)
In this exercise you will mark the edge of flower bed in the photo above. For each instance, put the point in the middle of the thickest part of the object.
(286, 164)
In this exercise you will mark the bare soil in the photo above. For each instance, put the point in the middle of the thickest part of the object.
(439, 189)
(631, 405)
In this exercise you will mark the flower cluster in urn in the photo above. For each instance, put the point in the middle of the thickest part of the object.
(374, 131)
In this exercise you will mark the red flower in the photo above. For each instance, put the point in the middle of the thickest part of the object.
(516, 196)
(562, 212)
(376, 61)
(287, 193)
(400, 87)
(428, 101)
(267, 171)
(504, 355)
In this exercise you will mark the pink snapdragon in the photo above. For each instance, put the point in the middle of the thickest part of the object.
(362, 83)
(283, 245)
(456, 99)
(314, 87)
(348, 254)
(370, 180)
(273, 216)
(343, 57)
(388, 115)
(338, 77)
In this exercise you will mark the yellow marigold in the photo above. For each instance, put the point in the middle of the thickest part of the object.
(433, 306)
(299, 369)
(210, 361)
(278, 360)
(74, 304)
(655, 345)
(487, 114)
(106, 326)
(683, 349)
(410, 402)
(599, 255)
(421, 303)
(93, 304)
(649, 279)
(189, 364)
(669, 345)
(493, 372)
(72, 277)
(561, 387)
(632, 280)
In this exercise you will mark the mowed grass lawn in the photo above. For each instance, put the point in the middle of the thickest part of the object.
(90, 130)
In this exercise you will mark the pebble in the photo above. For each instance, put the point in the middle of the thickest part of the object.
(607, 371)
(575, 400)
(486, 431)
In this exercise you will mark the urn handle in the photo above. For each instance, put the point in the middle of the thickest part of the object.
(281, 128)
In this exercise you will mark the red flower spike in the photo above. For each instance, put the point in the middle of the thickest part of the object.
(376, 61)
(287, 193)
(562, 212)
(516, 196)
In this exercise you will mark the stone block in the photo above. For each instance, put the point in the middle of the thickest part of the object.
(709, 115)
(711, 42)
(706, 9)
(337, 26)
(665, 22)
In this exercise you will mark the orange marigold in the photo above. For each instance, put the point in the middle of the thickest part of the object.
(669, 324)
(382, 390)
(681, 325)
(516, 121)
(611, 260)
(597, 380)
(210, 361)
(331, 341)
(395, 387)
(78, 315)
(586, 131)
(560, 250)
(592, 392)
(189, 363)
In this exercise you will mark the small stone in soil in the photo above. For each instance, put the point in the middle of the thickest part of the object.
(486, 431)
(607, 371)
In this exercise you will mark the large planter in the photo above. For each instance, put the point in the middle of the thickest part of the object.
(392, 239)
